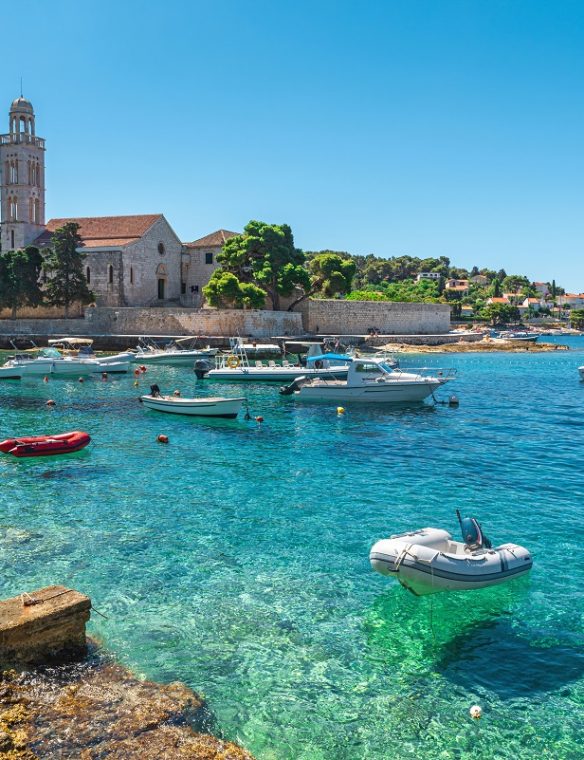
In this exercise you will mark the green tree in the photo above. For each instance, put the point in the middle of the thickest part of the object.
(577, 319)
(515, 283)
(501, 313)
(496, 289)
(225, 291)
(331, 274)
(64, 266)
(19, 279)
(265, 256)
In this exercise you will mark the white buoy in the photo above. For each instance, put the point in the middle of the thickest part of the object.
(453, 401)
(476, 712)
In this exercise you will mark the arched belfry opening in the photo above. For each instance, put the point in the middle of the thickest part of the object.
(22, 156)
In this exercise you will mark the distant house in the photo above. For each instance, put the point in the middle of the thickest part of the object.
(503, 299)
(480, 279)
(514, 298)
(457, 286)
(542, 288)
(573, 300)
(530, 303)
(467, 310)
(200, 257)
(434, 276)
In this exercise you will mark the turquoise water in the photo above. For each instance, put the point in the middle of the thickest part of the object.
(236, 557)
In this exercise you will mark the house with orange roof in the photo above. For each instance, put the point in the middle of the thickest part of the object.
(495, 299)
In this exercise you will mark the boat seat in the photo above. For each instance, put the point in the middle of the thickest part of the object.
(271, 363)
(259, 363)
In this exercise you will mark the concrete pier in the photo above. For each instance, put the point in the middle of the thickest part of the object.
(42, 625)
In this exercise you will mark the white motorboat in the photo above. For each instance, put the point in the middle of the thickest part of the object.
(427, 561)
(76, 365)
(10, 371)
(581, 371)
(82, 348)
(172, 354)
(237, 367)
(27, 364)
(253, 348)
(194, 407)
(372, 381)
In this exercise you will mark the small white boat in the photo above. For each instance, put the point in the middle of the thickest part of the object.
(172, 354)
(372, 381)
(427, 561)
(581, 371)
(10, 371)
(194, 407)
(27, 364)
(78, 365)
(237, 367)
(82, 348)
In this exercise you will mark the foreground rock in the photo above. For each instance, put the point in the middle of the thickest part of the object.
(97, 709)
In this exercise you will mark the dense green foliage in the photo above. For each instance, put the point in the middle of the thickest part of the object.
(577, 319)
(19, 279)
(64, 266)
(501, 313)
(263, 263)
(263, 256)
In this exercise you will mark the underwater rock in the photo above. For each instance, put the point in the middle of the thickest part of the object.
(97, 709)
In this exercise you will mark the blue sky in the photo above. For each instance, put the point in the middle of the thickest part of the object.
(421, 127)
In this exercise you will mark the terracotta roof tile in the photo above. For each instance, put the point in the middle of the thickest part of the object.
(102, 231)
(213, 239)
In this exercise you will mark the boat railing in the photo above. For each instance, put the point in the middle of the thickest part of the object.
(447, 373)
(235, 357)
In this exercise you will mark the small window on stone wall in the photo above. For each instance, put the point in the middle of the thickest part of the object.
(183, 288)
(161, 249)
(131, 275)
(110, 274)
(88, 275)
(208, 258)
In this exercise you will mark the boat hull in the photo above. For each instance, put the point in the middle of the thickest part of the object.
(10, 373)
(87, 367)
(227, 408)
(427, 569)
(46, 445)
(383, 393)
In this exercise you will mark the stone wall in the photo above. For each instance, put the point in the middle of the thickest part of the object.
(137, 321)
(43, 312)
(329, 316)
(144, 321)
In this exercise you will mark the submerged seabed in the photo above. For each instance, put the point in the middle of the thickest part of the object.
(236, 558)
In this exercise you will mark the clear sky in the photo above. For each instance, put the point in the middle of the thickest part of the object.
(421, 127)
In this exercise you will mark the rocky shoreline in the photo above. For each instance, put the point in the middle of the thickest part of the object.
(97, 709)
(482, 346)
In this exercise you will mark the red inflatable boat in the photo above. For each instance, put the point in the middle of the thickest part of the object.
(45, 445)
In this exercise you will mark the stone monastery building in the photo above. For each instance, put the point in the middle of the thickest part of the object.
(131, 260)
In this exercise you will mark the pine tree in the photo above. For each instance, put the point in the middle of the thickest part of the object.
(19, 279)
(64, 266)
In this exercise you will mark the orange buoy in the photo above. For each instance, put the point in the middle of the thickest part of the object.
(162, 438)
(259, 419)
(136, 373)
(50, 402)
(143, 368)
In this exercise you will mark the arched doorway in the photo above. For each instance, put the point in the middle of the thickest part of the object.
(161, 275)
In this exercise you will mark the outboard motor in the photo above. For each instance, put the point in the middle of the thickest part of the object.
(472, 533)
(288, 390)
(155, 391)
(202, 366)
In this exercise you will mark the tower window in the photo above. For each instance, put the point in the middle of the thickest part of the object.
(208, 258)
(12, 239)
(88, 275)
(131, 275)
(110, 274)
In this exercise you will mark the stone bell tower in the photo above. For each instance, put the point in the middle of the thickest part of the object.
(22, 172)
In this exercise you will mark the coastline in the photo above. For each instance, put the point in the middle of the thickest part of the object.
(483, 346)
(97, 708)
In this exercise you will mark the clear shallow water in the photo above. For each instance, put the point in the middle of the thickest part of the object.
(236, 558)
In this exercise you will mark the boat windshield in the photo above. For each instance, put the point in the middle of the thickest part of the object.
(372, 368)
